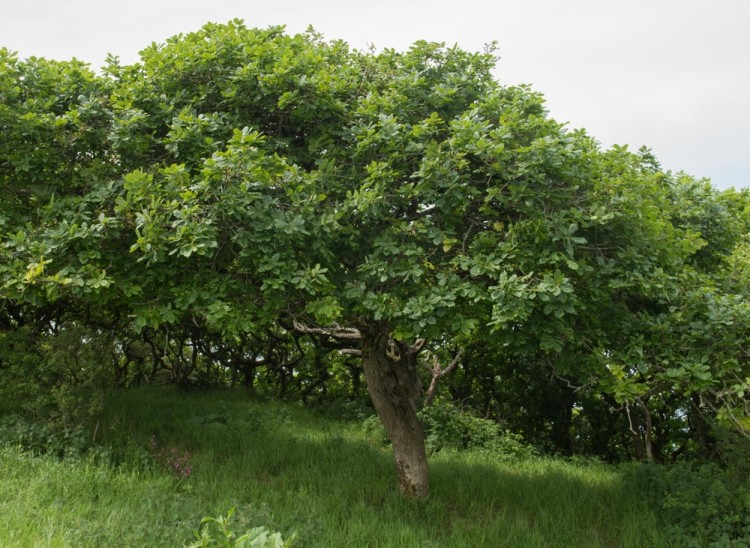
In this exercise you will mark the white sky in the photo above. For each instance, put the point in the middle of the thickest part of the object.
(673, 75)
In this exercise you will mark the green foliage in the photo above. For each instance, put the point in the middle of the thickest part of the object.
(55, 383)
(42, 438)
(446, 426)
(218, 532)
(698, 505)
(403, 187)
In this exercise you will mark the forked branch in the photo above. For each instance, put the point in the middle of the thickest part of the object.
(437, 372)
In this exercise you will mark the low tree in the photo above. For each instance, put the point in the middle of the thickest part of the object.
(245, 179)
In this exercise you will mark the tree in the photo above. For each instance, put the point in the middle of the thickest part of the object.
(240, 180)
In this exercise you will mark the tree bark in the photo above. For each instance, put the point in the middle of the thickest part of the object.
(390, 369)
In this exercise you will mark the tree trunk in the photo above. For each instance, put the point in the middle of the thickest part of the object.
(390, 369)
(635, 437)
(700, 427)
(647, 438)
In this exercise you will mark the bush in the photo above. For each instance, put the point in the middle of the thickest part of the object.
(345, 409)
(447, 427)
(55, 379)
(42, 438)
(699, 506)
(219, 532)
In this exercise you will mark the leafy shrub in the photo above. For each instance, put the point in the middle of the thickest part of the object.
(346, 409)
(52, 388)
(42, 438)
(218, 532)
(699, 506)
(447, 427)
(57, 378)
(733, 448)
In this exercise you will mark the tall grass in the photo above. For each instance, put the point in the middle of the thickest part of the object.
(293, 471)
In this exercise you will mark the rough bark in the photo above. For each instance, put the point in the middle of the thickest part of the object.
(390, 369)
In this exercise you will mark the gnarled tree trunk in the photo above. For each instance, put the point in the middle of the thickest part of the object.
(391, 374)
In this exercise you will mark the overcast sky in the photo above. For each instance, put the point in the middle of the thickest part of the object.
(673, 75)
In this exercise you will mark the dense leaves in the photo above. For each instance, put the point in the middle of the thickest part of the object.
(191, 211)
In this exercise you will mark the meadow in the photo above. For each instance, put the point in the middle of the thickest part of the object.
(163, 460)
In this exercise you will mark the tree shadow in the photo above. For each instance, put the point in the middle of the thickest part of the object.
(350, 485)
(290, 470)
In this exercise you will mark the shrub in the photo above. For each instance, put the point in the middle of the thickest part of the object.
(447, 427)
(57, 378)
(218, 532)
(699, 505)
(42, 438)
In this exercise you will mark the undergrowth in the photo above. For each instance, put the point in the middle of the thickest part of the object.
(318, 481)
(698, 505)
(448, 427)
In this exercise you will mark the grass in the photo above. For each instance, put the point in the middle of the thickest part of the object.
(291, 470)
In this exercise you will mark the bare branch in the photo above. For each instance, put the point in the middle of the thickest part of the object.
(351, 352)
(452, 365)
(335, 331)
(438, 372)
(418, 345)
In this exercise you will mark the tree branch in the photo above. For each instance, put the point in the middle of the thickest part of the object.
(351, 352)
(438, 372)
(336, 331)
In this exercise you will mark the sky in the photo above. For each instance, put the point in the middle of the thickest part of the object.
(673, 75)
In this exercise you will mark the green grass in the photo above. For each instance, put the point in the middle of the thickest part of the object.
(292, 470)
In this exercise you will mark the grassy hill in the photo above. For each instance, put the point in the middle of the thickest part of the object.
(165, 459)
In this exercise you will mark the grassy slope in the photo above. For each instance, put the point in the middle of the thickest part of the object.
(291, 470)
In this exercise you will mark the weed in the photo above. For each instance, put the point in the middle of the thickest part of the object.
(216, 531)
